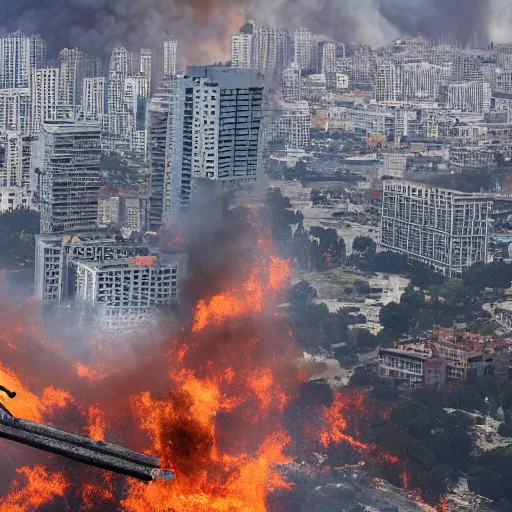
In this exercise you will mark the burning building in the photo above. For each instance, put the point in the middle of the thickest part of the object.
(121, 284)
(125, 293)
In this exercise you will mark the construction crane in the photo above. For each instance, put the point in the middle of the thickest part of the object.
(102, 455)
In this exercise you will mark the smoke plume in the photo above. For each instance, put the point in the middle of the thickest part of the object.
(203, 26)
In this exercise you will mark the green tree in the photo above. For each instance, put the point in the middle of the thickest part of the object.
(364, 245)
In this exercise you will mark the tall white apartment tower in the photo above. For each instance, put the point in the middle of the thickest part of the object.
(328, 57)
(146, 59)
(94, 98)
(10, 160)
(65, 173)
(215, 132)
(38, 52)
(170, 56)
(241, 50)
(75, 65)
(45, 96)
(469, 97)
(121, 60)
(291, 83)
(302, 55)
(14, 61)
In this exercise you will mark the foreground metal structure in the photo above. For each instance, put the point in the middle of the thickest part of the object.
(102, 455)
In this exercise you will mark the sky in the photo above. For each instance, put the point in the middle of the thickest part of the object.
(203, 27)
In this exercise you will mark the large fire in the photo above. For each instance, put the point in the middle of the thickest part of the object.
(209, 401)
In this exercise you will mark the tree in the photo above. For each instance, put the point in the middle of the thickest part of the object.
(394, 317)
(364, 245)
(302, 294)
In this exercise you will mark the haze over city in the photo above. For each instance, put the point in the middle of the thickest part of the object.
(255, 256)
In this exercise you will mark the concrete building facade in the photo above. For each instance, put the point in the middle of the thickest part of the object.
(445, 229)
(65, 171)
(215, 131)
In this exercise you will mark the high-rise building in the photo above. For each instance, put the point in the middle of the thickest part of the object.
(388, 86)
(93, 99)
(75, 65)
(124, 294)
(328, 58)
(65, 171)
(241, 50)
(11, 153)
(302, 49)
(469, 97)
(56, 255)
(270, 51)
(422, 81)
(215, 131)
(442, 228)
(146, 61)
(38, 52)
(115, 101)
(466, 68)
(16, 110)
(14, 61)
(170, 56)
(292, 123)
(121, 60)
(291, 83)
(157, 126)
(45, 97)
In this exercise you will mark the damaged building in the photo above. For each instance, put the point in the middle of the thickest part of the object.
(118, 283)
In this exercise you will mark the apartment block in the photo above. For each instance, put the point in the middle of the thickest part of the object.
(241, 50)
(56, 256)
(126, 293)
(292, 123)
(65, 171)
(215, 131)
(445, 229)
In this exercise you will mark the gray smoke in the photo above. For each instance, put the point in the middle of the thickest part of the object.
(458, 18)
(203, 26)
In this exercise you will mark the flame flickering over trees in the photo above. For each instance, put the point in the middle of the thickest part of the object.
(209, 397)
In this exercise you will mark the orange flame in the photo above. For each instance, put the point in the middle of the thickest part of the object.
(41, 488)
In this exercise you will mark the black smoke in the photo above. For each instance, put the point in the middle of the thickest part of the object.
(203, 26)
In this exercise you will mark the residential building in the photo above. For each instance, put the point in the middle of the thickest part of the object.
(403, 365)
(170, 56)
(16, 110)
(15, 61)
(469, 97)
(215, 131)
(94, 99)
(56, 256)
(241, 50)
(122, 60)
(65, 170)
(302, 48)
(125, 294)
(328, 58)
(292, 123)
(45, 97)
(75, 66)
(146, 60)
(443, 228)
(157, 128)
(291, 83)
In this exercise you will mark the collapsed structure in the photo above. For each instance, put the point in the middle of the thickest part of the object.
(120, 283)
